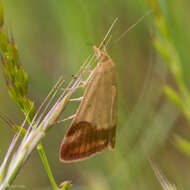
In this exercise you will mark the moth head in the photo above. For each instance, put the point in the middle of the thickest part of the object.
(100, 54)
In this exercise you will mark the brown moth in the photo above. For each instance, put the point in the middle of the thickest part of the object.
(94, 127)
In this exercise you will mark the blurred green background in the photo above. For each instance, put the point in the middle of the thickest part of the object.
(54, 38)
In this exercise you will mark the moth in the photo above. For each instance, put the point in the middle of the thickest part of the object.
(93, 129)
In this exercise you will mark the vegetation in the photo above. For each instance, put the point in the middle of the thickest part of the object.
(43, 40)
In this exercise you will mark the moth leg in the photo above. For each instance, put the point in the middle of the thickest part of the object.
(85, 70)
(82, 71)
(66, 119)
(68, 89)
(76, 99)
(83, 84)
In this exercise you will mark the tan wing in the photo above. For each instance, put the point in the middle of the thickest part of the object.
(94, 127)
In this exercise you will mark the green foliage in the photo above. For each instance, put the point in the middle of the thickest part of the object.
(164, 45)
(16, 77)
(174, 97)
(182, 144)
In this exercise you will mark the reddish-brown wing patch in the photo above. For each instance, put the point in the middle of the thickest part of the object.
(83, 140)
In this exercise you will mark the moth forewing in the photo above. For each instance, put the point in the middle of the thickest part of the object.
(94, 126)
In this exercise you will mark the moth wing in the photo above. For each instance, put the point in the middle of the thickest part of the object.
(94, 127)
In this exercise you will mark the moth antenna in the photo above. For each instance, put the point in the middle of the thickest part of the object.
(130, 28)
(106, 44)
(93, 57)
(108, 33)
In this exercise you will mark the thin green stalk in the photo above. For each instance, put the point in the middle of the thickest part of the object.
(46, 166)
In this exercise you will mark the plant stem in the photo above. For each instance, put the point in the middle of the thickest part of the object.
(46, 165)
(33, 139)
(42, 155)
